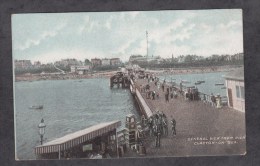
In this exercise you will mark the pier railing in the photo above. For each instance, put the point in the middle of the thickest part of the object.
(202, 96)
(142, 103)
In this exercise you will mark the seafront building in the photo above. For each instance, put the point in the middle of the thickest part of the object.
(236, 89)
(115, 61)
(22, 64)
(105, 62)
(96, 62)
(80, 69)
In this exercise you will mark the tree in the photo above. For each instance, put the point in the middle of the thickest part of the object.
(87, 62)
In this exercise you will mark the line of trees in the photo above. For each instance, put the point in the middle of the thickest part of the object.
(194, 61)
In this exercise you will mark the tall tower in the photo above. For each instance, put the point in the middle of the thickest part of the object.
(147, 44)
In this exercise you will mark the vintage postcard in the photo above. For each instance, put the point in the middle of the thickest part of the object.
(101, 85)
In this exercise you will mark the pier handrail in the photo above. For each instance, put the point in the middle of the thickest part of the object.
(146, 108)
(144, 105)
(201, 95)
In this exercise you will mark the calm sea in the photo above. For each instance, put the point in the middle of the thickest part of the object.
(69, 106)
(208, 87)
(72, 105)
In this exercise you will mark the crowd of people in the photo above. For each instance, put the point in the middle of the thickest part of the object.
(169, 91)
(157, 126)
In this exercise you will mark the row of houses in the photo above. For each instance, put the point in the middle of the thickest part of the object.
(26, 64)
(106, 62)
(23, 64)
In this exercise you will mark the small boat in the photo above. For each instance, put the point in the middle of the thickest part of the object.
(36, 107)
(197, 83)
(219, 84)
(185, 81)
(200, 81)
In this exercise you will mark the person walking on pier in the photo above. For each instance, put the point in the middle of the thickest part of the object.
(167, 97)
(181, 87)
(157, 95)
(173, 124)
(165, 125)
(150, 124)
(213, 100)
(153, 95)
(172, 95)
(163, 87)
(157, 136)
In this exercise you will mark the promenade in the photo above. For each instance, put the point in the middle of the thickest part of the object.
(201, 129)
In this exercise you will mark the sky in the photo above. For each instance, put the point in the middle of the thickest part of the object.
(49, 37)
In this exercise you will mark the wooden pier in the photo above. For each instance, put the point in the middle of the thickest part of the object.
(195, 119)
(119, 79)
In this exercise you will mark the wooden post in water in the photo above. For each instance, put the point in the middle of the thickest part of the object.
(123, 82)
(118, 83)
(111, 82)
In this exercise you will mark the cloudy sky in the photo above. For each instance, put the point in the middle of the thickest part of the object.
(49, 37)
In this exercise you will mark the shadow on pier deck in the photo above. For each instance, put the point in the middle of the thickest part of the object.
(201, 129)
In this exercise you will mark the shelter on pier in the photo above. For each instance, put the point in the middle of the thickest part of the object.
(236, 89)
(99, 140)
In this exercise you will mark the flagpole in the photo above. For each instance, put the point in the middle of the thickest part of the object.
(147, 44)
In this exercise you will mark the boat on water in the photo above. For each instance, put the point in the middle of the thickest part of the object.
(185, 81)
(36, 107)
(219, 84)
(200, 81)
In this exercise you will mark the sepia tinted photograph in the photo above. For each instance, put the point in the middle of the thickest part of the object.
(133, 84)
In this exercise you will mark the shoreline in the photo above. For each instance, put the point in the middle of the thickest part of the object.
(69, 76)
(193, 70)
(107, 74)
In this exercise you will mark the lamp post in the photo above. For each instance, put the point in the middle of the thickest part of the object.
(41, 127)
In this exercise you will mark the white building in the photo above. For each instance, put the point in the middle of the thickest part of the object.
(80, 69)
(105, 62)
(236, 89)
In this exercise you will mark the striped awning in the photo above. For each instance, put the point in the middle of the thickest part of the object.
(74, 139)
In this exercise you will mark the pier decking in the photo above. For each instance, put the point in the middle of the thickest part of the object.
(201, 128)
